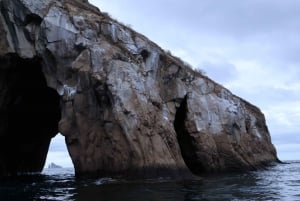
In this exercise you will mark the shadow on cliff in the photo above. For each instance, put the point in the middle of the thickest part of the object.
(30, 114)
(184, 139)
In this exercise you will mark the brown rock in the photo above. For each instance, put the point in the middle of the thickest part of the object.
(126, 107)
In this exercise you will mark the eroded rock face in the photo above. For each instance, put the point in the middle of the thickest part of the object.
(126, 107)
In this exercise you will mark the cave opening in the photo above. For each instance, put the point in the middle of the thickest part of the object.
(30, 112)
(185, 140)
(145, 54)
(58, 155)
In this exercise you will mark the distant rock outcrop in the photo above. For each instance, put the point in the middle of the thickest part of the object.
(126, 107)
(54, 166)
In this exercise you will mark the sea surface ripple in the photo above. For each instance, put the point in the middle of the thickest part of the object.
(280, 182)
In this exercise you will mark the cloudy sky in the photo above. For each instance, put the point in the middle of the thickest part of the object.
(250, 46)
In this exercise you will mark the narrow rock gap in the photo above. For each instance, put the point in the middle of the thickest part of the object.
(31, 114)
(185, 141)
(58, 155)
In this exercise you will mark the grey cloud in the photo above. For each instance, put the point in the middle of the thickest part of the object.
(231, 16)
(265, 96)
(288, 151)
(220, 72)
(58, 144)
(283, 136)
(272, 25)
(57, 147)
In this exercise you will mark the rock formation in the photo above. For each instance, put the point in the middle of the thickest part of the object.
(126, 107)
(54, 166)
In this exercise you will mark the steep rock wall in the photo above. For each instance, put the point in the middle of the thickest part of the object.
(127, 107)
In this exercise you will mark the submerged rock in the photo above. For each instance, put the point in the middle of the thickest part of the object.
(126, 107)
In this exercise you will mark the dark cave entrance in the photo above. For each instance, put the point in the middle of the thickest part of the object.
(29, 115)
(185, 140)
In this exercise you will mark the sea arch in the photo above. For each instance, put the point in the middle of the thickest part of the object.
(30, 112)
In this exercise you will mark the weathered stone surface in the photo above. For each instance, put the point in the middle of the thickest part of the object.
(126, 107)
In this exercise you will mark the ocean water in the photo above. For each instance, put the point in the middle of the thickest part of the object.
(280, 182)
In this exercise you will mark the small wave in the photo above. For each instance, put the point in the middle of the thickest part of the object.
(280, 182)
(104, 181)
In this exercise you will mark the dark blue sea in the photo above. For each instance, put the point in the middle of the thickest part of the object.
(280, 182)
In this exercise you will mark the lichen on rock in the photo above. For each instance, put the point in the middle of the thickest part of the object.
(126, 107)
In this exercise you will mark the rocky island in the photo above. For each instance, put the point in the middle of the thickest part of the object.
(54, 166)
(126, 107)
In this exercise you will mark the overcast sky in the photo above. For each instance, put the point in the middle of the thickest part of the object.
(251, 47)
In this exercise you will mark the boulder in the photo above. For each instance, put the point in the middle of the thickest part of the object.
(126, 107)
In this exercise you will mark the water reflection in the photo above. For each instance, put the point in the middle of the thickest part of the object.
(278, 183)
